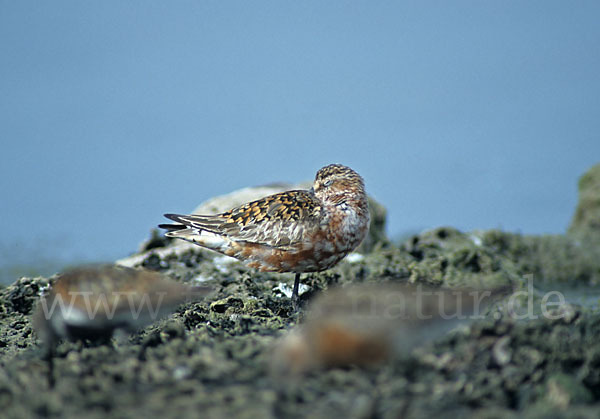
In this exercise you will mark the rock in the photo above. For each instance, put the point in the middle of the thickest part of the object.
(586, 220)
(501, 351)
(550, 258)
(450, 258)
(563, 390)
(22, 295)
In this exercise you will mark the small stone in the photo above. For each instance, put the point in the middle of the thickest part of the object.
(564, 390)
(501, 351)
(221, 306)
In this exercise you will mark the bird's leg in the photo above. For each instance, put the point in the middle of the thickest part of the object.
(50, 353)
(295, 291)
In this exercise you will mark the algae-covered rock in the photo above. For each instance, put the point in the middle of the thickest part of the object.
(17, 302)
(563, 390)
(450, 258)
(554, 258)
(586, 220)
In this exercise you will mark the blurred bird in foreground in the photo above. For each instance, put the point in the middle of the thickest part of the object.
(295, 231)
(93, 302)
(369, 324)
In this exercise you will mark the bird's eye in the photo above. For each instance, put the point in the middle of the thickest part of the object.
(328, 183)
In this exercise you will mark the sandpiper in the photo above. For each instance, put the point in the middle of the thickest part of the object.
(294, 231)
(369, 324)
(92, 302)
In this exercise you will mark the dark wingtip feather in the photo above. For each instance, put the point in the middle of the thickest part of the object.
(172, 227)
(174, 217)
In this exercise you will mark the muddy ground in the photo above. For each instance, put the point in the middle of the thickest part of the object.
(213, 358)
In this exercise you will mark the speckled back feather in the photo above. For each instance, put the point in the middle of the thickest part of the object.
(277, 220)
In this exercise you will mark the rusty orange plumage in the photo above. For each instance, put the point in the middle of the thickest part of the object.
(92, 302)
(293, 231)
